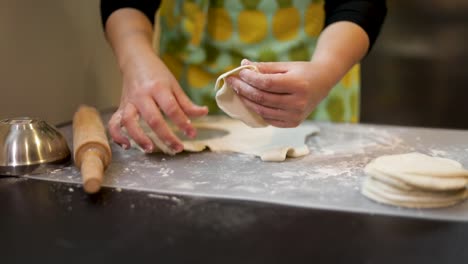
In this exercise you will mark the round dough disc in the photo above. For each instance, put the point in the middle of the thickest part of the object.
(406, 181)
(420, 164)
(386, 194)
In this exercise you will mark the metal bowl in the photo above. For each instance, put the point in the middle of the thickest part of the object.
(29, 146)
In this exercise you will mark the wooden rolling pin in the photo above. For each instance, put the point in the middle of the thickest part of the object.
(91, 148)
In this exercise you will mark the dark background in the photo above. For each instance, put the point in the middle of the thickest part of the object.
(417, 72)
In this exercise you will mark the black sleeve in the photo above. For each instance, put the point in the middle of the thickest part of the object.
(368, 14)
(148, 7)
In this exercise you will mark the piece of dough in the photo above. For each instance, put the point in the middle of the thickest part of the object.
(268, 143)
(408, 181)
(422, 198)
(379, 198)
(229, 101)
(395, 182)
(415, 180)
(432, 182)
(420, 164)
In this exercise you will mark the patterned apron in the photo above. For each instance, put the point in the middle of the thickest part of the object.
(201, 39)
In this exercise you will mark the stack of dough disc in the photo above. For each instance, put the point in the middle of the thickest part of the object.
(415, 180)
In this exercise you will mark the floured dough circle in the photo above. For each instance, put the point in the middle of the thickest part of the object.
(415, 180)
(229, 101)
(389, 180)
(268, 143)
(420, 164)
(405, 180)
(388, 194)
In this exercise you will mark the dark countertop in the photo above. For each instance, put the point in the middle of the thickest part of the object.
(153, 208)
(57, 223)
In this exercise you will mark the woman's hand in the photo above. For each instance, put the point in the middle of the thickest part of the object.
(283, 93)
(150, 91)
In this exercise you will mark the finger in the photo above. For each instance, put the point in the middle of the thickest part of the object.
(155, 120)
(115, 130)
(273, 83)
(266, 112)
(130, 122)
(273, 116)
(189, 108)
(256, 95)
(171, 108)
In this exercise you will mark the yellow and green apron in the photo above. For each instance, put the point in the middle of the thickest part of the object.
(201, 39)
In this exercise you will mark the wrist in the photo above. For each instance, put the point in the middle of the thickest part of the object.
(340, 46)
(136, 50)
(328, 71)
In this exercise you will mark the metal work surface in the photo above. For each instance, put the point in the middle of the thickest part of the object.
(329, 178)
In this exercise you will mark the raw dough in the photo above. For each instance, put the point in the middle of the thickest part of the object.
(228, 100)
(370, 170)
(269, 143)
(387, 194)
(420, 164)
(410, 181)
(415, 180)
(382, 199)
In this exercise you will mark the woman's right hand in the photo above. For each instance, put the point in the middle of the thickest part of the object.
(151, 92)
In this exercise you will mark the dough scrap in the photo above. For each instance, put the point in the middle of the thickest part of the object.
(229, 101)
(415, 180)
(268, 143)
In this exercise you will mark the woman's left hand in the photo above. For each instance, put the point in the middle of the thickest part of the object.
(283, 93)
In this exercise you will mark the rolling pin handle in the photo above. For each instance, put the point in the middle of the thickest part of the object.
(92, 169)
(92, 153)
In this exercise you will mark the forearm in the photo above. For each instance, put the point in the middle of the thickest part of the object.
(129, 33)
(340, 46)
(367, 14)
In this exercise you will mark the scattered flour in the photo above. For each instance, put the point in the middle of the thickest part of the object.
(186, 185)
(247, 188)
(165, 172)
(437, 152)
(286, 174)
(166, 197)
(353, 141)
(159, 196)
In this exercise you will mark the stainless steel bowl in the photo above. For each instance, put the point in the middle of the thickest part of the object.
(29, 146)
